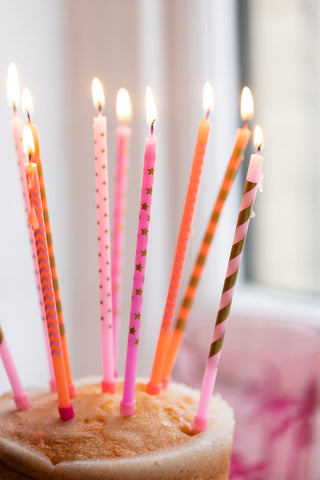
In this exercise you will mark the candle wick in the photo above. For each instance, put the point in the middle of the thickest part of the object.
(245, 124)
(259, 148)
(208, 113)
(28, 115)
(152, 124)
(100, 109)
(30, 156)
(14, 108)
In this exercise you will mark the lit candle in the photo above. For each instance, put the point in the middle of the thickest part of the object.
(36, 219)
(102, 193)
(128, 404)
(253, 180)
(20, 396)
(123, 137)
(13, 93)
(155, 382)
(27, 106)
(241, 142)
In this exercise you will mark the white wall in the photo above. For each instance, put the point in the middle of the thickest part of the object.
(32, 34)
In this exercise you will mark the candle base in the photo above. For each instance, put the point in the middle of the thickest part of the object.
(108, 387)
(66, 413)
(200, 424)
(166, 380)
(53, 386)
(153, 389)
(127, 409)
(22, 402)
(72, 390)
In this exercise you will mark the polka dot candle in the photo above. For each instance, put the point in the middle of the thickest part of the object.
(102, 200)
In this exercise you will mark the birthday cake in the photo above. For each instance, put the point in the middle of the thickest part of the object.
(157, 442)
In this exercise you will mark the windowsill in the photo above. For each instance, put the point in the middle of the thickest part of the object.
(291, 306)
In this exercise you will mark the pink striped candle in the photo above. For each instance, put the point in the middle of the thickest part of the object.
(123, 137)
(20, 396)
(102, 192)
(253, 180)
(127, 406)
(155, 382)
(17, 128)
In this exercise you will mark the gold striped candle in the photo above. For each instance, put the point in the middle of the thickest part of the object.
(252, 181)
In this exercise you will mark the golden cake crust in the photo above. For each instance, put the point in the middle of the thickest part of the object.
(101, 444)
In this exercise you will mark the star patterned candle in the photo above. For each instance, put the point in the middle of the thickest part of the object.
(253, 180)
(123, 138)
(155, 382)
(102, 201)
(128, 404)
(37, 222)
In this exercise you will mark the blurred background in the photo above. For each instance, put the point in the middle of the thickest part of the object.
(173, 46)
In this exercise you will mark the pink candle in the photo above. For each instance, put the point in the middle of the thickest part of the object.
(128, 404)
(123, 137)
(20, 396)
(17, 128)
(102, 193)
(252, 182)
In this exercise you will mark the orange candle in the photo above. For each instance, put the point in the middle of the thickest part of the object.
(155, 383)
(28, 107)
(36, 220)
(241, 142)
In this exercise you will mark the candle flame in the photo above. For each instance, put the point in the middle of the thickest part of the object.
(258, 137)
(13, 87)
(150, 107)
(26, 101)
(97, 93)
(208, 97)
(28, 143)
(247, 106)
(124, 110)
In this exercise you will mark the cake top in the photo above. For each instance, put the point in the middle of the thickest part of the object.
(98, 431)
